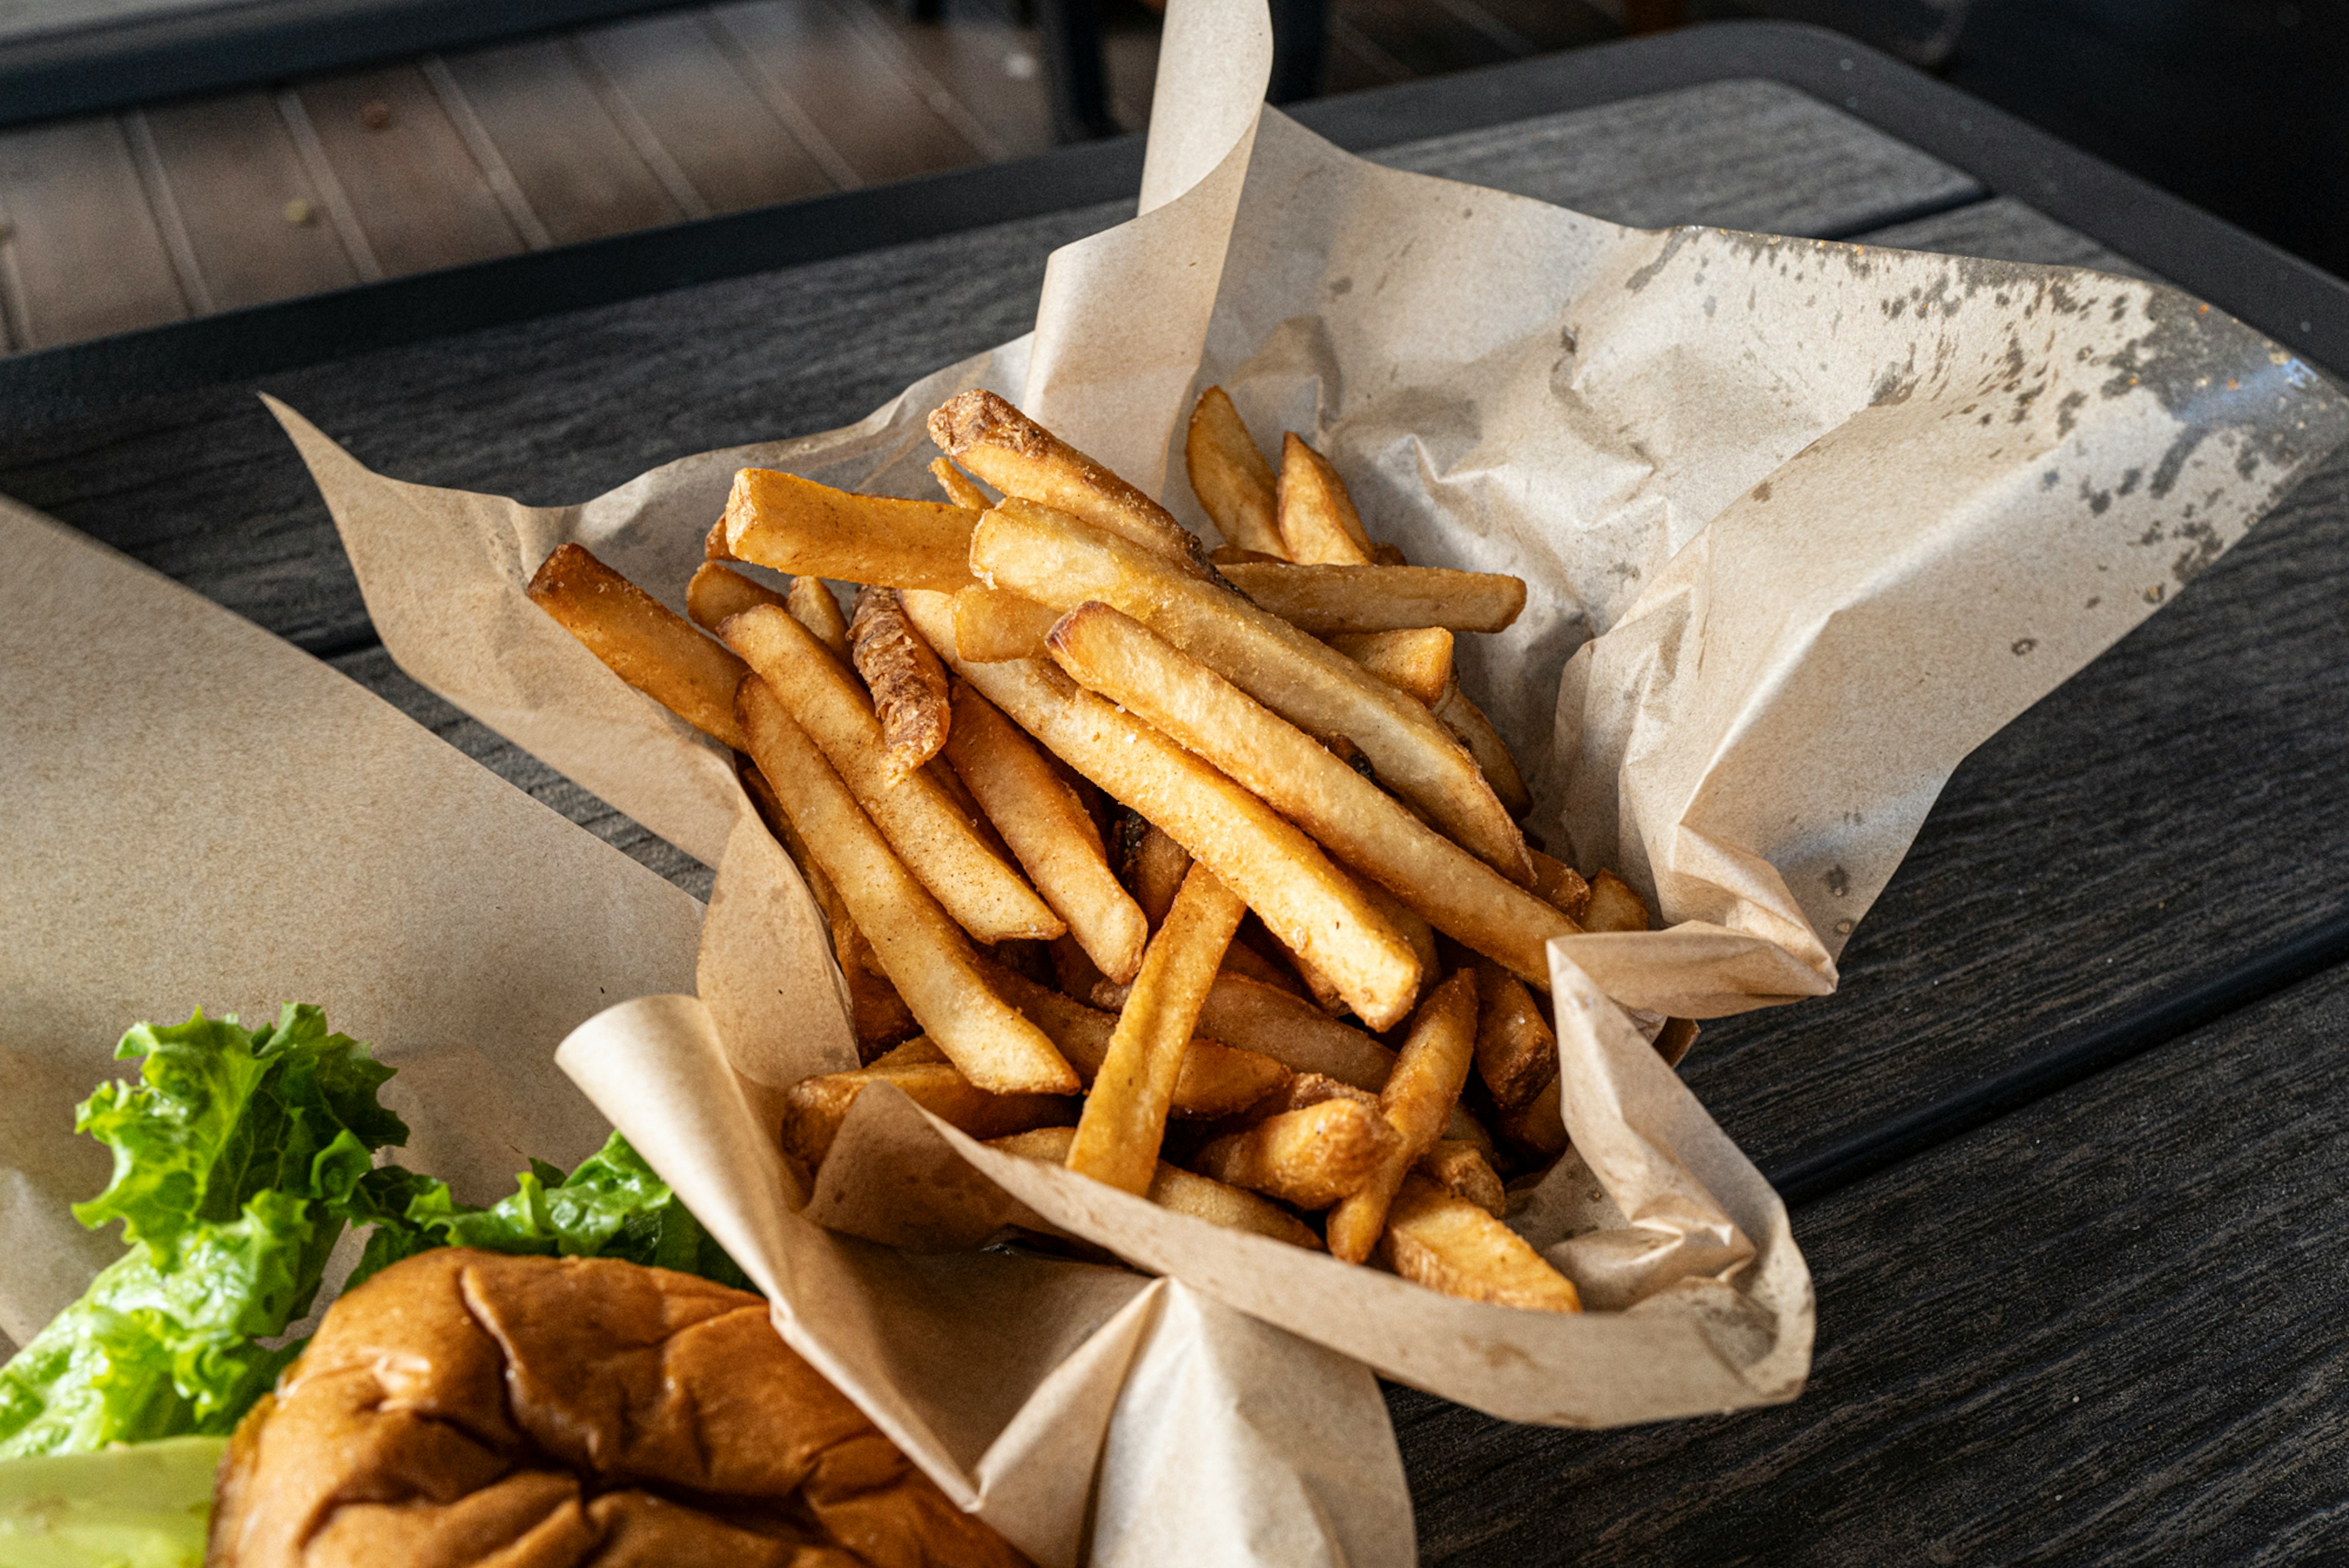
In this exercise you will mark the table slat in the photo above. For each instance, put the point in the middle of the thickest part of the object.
(85, 257)
(233, 168)
(418, 199)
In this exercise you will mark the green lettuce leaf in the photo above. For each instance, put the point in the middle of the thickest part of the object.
(146, 1507)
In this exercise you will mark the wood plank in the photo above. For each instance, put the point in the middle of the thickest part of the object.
(575, 167)
(812, 58)
(72, 195)
(417, 196)
(692, 97)
(989, 65)
(2110, 1328)
(235, 170)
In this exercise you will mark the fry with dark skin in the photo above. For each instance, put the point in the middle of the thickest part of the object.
(907, 682)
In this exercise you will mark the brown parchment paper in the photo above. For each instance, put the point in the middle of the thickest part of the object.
(1802, 523)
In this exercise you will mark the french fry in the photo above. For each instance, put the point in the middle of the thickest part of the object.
(925, 954)
(1325, 600)
(815, 1107)
(1124, 1118)
(1021, 458)
(1074, 969)
(992, 625)
(1228, 475)
(1049, 831)
(1319, 524)
(1418, 661)
(1154, 868)
(797, 525)
(1451, 1244)
(1461, 1169)
(1411, 923)
(1354, 818)
(1277, 871)
(1516, 1050)
(960, 490)
(1614, 907)
(713, 544)
(717, 591)
(907, 682)
(814, 606)
(1310, 1158)
(641, 641)
(1467, 721)
(1233, 554)
(1215, 1080)
(1242, 959)
(1063, 562)
(1180, 1191)
(938, 844)
(1418, 1100)
(1539, 1129)
(1254, 1016)
(1560, 886)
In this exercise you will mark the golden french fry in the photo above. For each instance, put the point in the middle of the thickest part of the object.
(938, 844)
(1215, 1080)
(1359, 823)
(641, 641)
(1319, 524)
(1049, 832)
(717, 592)
(1614, 907)
(1180, 1191)
(1230, 477)
(1408, 920)
(1418, 661)
(1232, 555)
(992, 625)
(1075, 970)
(1154, 868)
(1516, 1051)
(907, 682)
(1021, 458)
(1461, 1169)
(814, 606)
(1320, 987)
(958, 485)
(713, 544)
(1243, 959)
(1451, 1244)
(814, 1108)
(1560, 886)
(1418, 1098)
(1124, 1119)
(1279, 873)
(925, 954)
(1326, 600)
(1313, 1157)
(1539, 1127)
(1061, 561)
(797, 525)
(1251, 1015)
(1467, 721)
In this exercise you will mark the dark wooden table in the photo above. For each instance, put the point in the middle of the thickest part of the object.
(2067, 1149)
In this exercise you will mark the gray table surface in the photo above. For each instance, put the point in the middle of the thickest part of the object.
(2102, 1325)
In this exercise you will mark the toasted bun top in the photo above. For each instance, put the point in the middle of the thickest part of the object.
(462, 1407)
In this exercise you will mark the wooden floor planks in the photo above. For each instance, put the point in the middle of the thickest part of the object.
(420, 200)
(85, 254)
(263, 230)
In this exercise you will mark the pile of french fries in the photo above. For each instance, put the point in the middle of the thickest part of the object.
(1191, 870)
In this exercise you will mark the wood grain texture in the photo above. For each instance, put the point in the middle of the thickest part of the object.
(233, 168)
(988, 62)
(85, 255)
(2110, 1328)
(420, 199)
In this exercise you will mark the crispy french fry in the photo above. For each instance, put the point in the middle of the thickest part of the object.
(907, 682)
(1451, 1244)
(1311, 1158)
(1180, 1191)
(641, 641)
(1418, 1099)
(960, 490)
(1049, 832)
(713, 544)
(992, 625)
(1411, 923)
(1215, 1080)
(1319, 524)
(1318, 986)
(1124, 1118)
(717, 591)
(797, 525)
(814, 1108)
(1075, 970)
(1232, 555)
(920, 948)
(1467, 721)
(1539, 1129)
(1614, 907)
(1021, 458)
(1242, 959)
(1325, 600)
(1062, 562)
(814, 606)
(1230, 477)
(1418, 661)
(1461, 1169)
(1560, 886)
(1465, 1129)
(1516, 1050)
(1265, 1018)
(1154, 868)
(1360, 823)
(1303, 898)
(938, 844)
